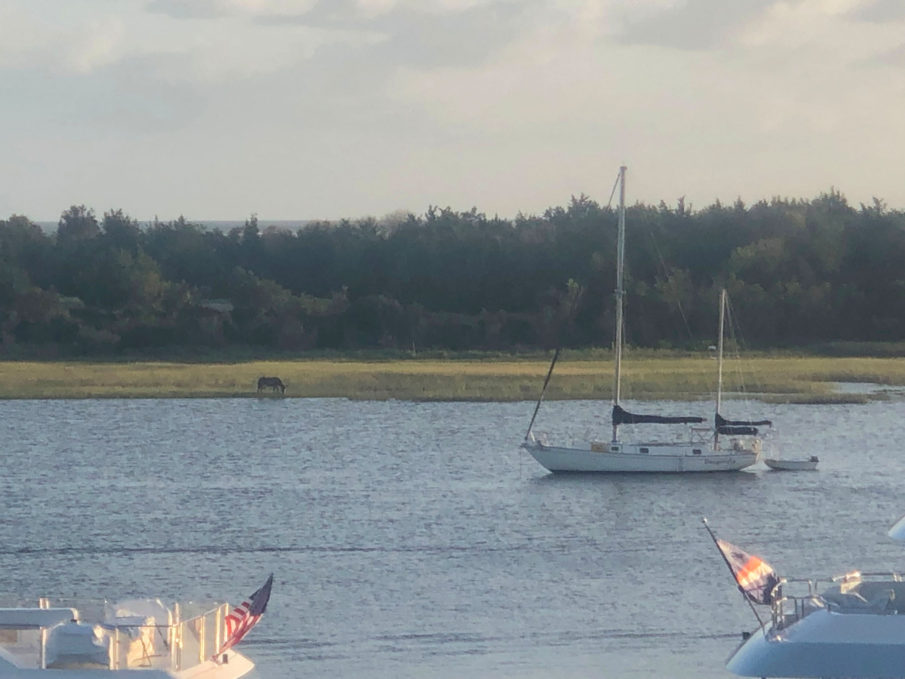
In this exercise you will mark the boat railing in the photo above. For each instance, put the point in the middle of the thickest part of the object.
(853, 578)
(808, 595)
(180, 645)
(788, 606)
(118, 643)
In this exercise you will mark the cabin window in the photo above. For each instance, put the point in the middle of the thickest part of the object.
(615, 449)
(645, 450)
(696, 451)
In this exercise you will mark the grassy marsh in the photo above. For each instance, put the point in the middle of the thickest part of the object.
(774, 378)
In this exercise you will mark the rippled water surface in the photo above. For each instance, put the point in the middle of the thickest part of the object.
(418, 540)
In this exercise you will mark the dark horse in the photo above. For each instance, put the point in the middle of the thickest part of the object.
(273, 382)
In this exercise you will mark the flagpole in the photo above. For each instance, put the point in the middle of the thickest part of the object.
(729, 566)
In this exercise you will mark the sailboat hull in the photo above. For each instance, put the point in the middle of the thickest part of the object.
(643, 457)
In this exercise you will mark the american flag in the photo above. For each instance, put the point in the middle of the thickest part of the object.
(245, 616)
(755, 577)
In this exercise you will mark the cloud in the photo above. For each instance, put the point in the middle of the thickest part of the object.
(342, 107)
(466, 37)
(97, 44)
(167, 49)
(376, 7)
(424, 33)
(206, 9)
(894, 57)
(691, 25)
(384, 34)
(881, 11)
(280, 11)
(79, 47)
(224, 55)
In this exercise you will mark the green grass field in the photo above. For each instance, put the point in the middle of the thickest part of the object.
(780, 378)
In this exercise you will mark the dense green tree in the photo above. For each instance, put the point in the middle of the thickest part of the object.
(77, 223)
(797, 271)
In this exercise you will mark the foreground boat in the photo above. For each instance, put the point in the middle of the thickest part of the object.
(853, 629)
(848, 627)
(730, 445)
(81, 639)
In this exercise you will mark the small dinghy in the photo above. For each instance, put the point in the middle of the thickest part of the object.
(792, 465)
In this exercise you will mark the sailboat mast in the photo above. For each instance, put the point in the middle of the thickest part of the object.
(620, 293)
(719, 368)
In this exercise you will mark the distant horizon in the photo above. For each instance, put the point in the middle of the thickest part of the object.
(298, 223)
(223, 224)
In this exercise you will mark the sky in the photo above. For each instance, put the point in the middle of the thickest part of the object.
(331, 109)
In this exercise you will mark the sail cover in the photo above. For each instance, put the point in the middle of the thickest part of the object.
(737, 431)
(722, 422)
(739, 427)
(621, 416)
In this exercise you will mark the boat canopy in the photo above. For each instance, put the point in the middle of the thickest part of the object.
(739, 427)
(622, 416)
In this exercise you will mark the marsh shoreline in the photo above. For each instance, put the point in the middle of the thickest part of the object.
(800, 379)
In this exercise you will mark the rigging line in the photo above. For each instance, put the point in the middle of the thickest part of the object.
(671, 282)
(542, 391)
(613, 192)
(735, 332)
(573, 305)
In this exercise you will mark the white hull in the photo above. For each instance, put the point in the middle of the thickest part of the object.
(643, 457)
(827, 644)
(236, 666)
(791, 465)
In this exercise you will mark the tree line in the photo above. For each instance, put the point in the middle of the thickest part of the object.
(798, 272)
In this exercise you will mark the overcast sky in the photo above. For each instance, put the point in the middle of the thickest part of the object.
(324, 109)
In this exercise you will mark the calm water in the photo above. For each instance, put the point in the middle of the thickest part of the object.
(418, 540)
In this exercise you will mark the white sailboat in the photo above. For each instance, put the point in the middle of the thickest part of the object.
(730, 445)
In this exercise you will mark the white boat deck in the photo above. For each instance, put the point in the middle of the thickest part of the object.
(853, 628)
(75, 639)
